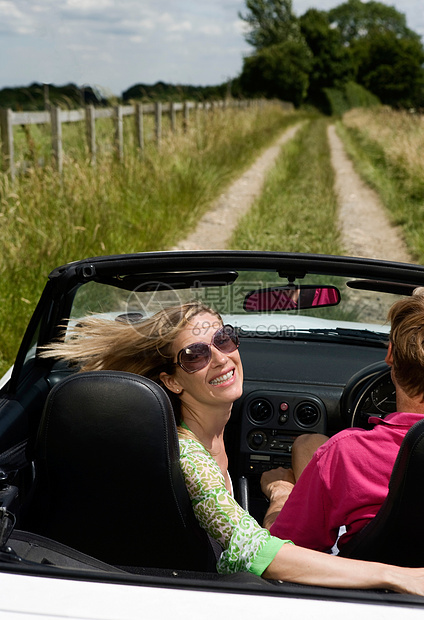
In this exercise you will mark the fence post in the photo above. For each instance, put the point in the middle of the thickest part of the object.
(185, 116)
(46, 96)
(119, 132)
(90, 124)
(139, 126)
(158, 122)
(172, 116)
(7, 146)
(57, 138)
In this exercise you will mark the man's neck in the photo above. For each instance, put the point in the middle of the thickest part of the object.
(407, 403)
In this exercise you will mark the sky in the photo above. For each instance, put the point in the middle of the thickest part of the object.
(115, 44)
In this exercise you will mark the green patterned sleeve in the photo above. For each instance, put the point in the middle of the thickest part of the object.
(247, 546)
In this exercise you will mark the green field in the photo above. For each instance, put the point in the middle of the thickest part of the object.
(150, 202)
(146, 203)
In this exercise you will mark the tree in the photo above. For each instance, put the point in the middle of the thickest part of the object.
(391, 68)
(388, 57)
(270, 22)
(366, 42)
(279, 71)
(356, 19)
(331, 64)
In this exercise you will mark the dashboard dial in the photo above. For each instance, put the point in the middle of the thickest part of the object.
(383, 396)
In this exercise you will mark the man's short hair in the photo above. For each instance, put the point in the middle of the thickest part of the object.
(407, 337)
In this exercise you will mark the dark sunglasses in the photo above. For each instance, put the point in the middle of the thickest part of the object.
(196, 356)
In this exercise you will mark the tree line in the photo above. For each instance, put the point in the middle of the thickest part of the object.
(37, 97)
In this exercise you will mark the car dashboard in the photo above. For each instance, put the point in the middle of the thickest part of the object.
(291, 387)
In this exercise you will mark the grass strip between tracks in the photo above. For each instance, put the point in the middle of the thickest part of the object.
(297, 211)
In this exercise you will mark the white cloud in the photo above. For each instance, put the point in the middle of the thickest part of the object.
(180, 27)
(211, 30)
(80, 48)
(240, 27)
(13, 19)
(146, 24)
(89, 5)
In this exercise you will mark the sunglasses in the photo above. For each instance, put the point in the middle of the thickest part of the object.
(196, 356)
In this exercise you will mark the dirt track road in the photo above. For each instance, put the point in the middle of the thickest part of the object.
(364, 225)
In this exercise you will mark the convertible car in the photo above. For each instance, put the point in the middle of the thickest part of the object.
(95, 519)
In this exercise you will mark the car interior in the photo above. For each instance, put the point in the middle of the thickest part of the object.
(89, 461)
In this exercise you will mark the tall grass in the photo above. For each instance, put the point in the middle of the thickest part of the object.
(33, 143)
(297, 211)
(387, 148)
(144, 204)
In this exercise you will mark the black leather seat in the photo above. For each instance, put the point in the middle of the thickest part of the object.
(395, 534)
(108, 479)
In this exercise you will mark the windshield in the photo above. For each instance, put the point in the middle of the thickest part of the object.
(358, 309)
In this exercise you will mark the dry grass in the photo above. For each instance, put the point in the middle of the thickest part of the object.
(399, 134)
(387, 150)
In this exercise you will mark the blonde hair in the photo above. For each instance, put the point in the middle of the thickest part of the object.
(407, 337)
(143, 348)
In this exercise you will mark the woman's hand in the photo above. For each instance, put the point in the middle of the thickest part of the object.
(301, 565)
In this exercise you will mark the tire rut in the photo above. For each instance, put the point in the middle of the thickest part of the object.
(217, 225)
(365, 227)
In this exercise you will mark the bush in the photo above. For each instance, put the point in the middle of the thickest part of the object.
(352, 95)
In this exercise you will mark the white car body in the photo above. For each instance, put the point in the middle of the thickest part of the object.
(30, 598)
(31, 590)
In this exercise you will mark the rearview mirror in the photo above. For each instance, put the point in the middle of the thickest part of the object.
(283, 298)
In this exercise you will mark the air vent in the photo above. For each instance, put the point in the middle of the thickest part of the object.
(307, 414)
(260, 410)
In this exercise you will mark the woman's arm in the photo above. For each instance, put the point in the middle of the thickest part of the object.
(301, 565)
(244, 540)
(246, 545)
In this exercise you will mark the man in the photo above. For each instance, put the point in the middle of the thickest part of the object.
(343, 481)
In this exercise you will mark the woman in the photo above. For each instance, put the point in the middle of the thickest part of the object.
(189, 351)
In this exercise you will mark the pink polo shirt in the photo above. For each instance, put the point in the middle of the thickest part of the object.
(345, 483)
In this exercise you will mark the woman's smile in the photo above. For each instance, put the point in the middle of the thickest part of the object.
(226, 378)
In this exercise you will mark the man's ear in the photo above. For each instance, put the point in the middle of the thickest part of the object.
(170, 382)
(389, 355)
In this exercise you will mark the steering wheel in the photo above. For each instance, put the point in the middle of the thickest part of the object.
(369, 393)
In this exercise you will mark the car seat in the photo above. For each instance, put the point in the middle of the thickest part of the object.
(108, 480)
(394, 535)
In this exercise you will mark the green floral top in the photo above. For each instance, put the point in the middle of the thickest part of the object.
(247, 546)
